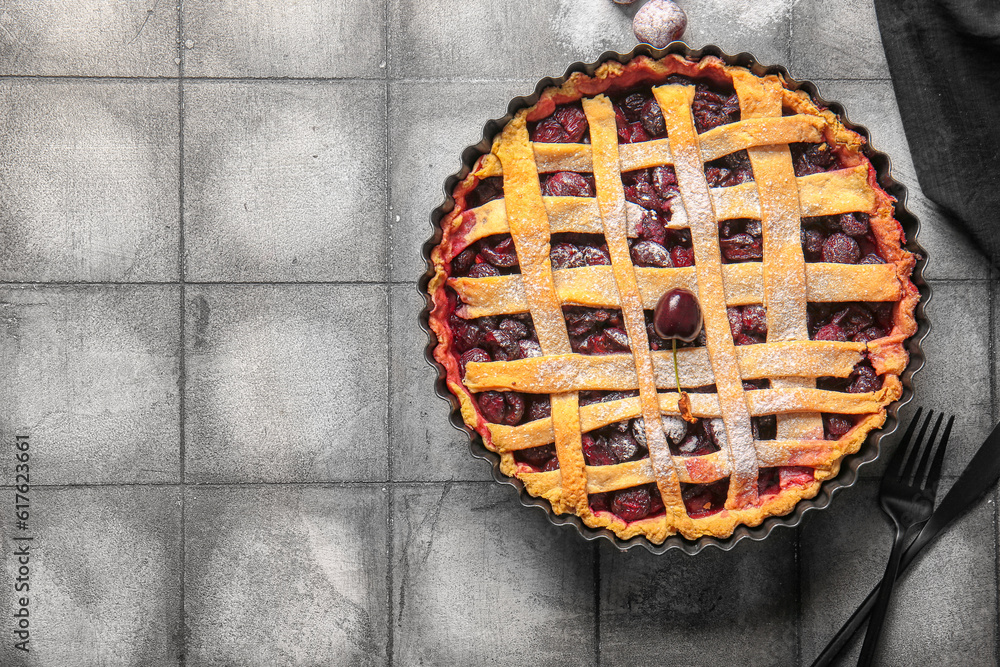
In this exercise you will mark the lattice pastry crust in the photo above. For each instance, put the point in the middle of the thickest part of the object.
(771, 117)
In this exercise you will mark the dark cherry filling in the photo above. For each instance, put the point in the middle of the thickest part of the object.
(630, 505)
(566, 125)
(656, 246)
(654, 189)
(569, 251)
(543, 458)
(701, 500)
(748, 324)
(714, 106)
(767, 482)
(861, 380)
(834, 426)
(595, 330)
(568, 184)
(856, 321)
(501, 407)
(741, 240)
(608, 445)
(698, 439)
(491, 256)
(813, 158)
(486, 190)
(729, 170)
(499, 338)
(841, 239)
(613, 444)
(639, 118)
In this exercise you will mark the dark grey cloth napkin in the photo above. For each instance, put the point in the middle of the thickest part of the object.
(944, 58)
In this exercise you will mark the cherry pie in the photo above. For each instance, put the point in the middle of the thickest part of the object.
(618, 187)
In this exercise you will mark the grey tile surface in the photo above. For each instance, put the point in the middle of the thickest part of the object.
(957, 352)
(326, 512)
(424, 445)
(260, 38)
(945, 605)
(103, 574)
(718, 608)
(958, 346)
(836, 39)
(89, 180)
(479, 580)
(285, 181)
(286, 575)
(286, 383)
(486, 40)
(762, 28)
(91, 376)
(951, 253)
(89, 38)
(430, 124)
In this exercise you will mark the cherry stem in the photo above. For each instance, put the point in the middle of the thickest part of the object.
(677, 375)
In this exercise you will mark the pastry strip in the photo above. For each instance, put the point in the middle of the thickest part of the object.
(675, 103)
(593, 286)
(616, 372)
(784, 271)
(530, 232)
(611, 199)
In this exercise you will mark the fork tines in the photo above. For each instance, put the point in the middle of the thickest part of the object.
(907, 456)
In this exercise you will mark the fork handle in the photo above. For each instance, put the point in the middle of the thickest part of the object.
(877, 618)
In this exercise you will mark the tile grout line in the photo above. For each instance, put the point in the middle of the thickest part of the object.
(182, 275)
(390, 490)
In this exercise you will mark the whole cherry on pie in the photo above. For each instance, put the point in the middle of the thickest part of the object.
(678, 315)
(562, 297)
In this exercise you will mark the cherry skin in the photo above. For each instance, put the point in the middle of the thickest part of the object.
(678, 315)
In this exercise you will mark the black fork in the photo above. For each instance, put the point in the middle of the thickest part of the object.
(907, 496)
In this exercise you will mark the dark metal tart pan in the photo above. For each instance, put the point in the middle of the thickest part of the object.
(849, 466)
